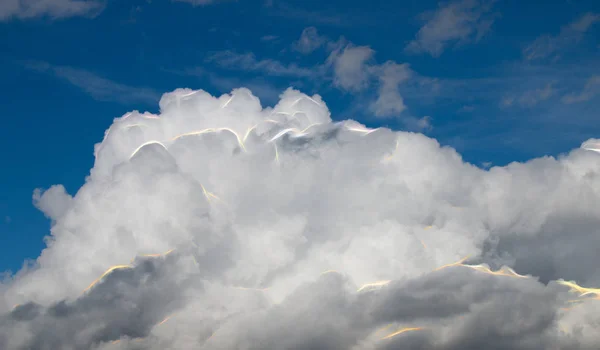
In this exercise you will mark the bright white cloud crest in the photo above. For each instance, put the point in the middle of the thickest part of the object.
(276, 219)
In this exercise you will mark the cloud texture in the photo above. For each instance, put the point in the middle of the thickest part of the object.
(227, 225)
(54, 9)
(453, 23)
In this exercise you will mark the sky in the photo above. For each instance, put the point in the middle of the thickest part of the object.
(481, 107)
(498, 81)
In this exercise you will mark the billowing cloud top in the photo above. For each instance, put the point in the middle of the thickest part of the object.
(591, 145)
(220, 224)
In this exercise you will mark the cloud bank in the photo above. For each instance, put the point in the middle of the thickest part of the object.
(223, 224)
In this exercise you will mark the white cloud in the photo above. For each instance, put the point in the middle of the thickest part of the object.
(589, 91)
(280, 197)
(98, 87)
(591, 145)
(390, 102)
(309, 41)
(54, 202)
(354, 70)
(249, 62)
(350, 67)
(552, 46)
(55, 9)
(260, 87)
(454, 22)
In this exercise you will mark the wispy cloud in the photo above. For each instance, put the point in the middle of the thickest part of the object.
(199, 2)
(377, 88)
(516, 103)
(530, 98)
(466, 109)
(520, 83)
(590, 90)
(54, 9)
(97, 87)
(269, 38)
(334, 18)
(309, 41)
(548, 46)
(457, 22)
(249, 62)
(533, 97)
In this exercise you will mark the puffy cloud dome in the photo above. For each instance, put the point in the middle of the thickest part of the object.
(286, 230)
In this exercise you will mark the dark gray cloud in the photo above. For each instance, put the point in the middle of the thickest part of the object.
(127, 302)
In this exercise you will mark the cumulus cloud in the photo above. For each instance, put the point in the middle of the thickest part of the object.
(222, 224)
(453, 22)
(592, 145)
(54, 9)
(53, 202)
(551, 46)
(354, 70)
(350, 67)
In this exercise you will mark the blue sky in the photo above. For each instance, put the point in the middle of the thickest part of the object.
(500, 81)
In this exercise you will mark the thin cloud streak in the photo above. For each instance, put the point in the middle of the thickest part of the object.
(99, 88)
(53, 9)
